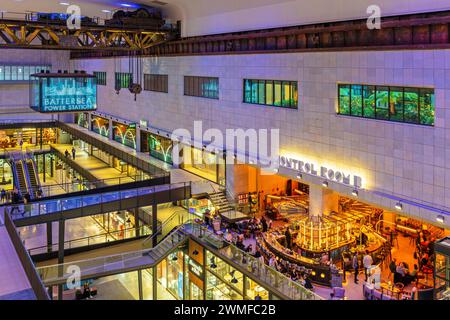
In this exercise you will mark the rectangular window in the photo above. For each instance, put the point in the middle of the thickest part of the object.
(356, 101)
(344, 99)
(400, 104)
(16, 73)
(101, 78)
(123, 80)
(156, 82)
(205, 87)
(271, 93)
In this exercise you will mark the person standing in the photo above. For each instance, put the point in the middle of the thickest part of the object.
(264, 224)
(355, 265)
(367, 263)
(3, 195)
(74, 151)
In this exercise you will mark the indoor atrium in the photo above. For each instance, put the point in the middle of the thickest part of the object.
(225, 150)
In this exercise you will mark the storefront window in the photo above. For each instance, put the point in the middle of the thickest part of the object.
(217, 289)
(125, 134)
(254, 290)
(175, 273)
(100, 126)
(160, 148)
(204, 164)
(225, 273)
(82, 119)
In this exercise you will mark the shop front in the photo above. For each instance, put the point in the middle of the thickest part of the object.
(100, 125)
(157, 146)
(121, 222)
(26, 137)
(205, 164)
(125, 134)
(82, 119)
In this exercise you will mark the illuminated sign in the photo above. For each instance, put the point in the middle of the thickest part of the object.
(56, 93)
(195, 268)
(320, 171)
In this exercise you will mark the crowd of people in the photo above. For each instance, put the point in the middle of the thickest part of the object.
(251, 230)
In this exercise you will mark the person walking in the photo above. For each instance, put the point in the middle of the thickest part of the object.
(66, 153)
(74, 151)
(367, 263)
(355, 265)
(3, 195)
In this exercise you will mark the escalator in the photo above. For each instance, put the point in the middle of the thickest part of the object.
(26, 178)
(21, 177)
(34, 184)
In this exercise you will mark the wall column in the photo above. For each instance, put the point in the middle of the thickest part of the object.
(110, 133)
(322, 201)
(154, 225)
(61, 232)
(49, 237)
(138, 139)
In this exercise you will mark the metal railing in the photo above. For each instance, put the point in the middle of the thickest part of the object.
(165, 226)
(95, 239)
(265, 274)
(113, 264)
(33, 209)
(25, 259)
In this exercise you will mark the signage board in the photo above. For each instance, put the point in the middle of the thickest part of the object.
(63, 94)
(331, 174)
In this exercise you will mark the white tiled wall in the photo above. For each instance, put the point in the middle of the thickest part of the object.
(411, 161)
(14, 98)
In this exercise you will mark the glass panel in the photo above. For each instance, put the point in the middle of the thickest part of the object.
(356, 103)
(8, 73)
(286, 94)
(2, 73)
(261, 92)
(269, 92)
(396, 103)
(20, 73)
(369, 101)
(382, 106)
(254, 91)
(344, 99)
(277, 98)
(294, 95)
(411, 105)
(427, 106)
(247, 91)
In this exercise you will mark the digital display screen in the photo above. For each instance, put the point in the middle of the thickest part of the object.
(63, 94)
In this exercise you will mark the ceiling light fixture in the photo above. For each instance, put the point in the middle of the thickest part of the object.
(440, 219)
(355, 193)
(325, 184)
(399, 206)
(106, 11)
(64, 4)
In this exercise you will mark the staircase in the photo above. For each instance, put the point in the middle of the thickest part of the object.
(220, 201)
(115, 264)
(167, 245)
(166, 228)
